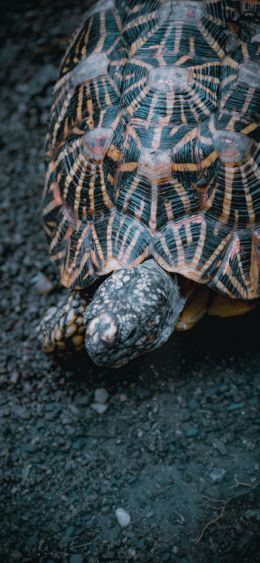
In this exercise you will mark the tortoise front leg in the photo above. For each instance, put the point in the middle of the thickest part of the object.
(61, 329)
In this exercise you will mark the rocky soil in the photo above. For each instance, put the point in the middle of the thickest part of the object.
(172, 441)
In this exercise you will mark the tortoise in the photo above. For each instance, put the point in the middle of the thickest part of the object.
(152, 197)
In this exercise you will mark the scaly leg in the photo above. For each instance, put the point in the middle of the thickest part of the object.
(61, 329)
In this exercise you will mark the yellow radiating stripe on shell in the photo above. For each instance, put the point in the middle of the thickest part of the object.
(249, 128)
(106, 199)
(183, 59)
(210, 40)
(52, 205)
(102, 33)
(80, 104)
(191, 167)
(79, 162)
(192, 105)
(200, 103)
(200, 244)
(183, 116)
(139, 212)
(249, 200)
(138, 84)
(179, 248)
(122, 249)
(91, 189)
(128, 166)
(177, 40)
(130, 248)
(163, 43)
(224, 242)
(168, 209)
(57, 234)
(109, 237)
(193, 134)
(192, 46)
(141, 40)
(97, 243)
(113, 85)
(107, 95)
(85, 41)
(228, 193)
(79, 191)
(58, 256)
(114, 153)
(78, 249)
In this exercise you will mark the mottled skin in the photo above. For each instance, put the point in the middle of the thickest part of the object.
(133, 311)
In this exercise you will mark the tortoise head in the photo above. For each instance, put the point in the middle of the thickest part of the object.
(133, 311)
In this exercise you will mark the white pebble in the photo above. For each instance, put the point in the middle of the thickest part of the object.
(99, 408)
(101, 395)
(217, 475)
(43, 284)
(122, 517)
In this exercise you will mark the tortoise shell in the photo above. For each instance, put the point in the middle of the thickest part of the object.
(154, 144)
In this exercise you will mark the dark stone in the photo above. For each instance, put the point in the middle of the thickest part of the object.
(235, 406)
(192, 432)
(76, 558)
(69, 534)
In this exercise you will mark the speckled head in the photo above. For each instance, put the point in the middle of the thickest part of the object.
(134, 311)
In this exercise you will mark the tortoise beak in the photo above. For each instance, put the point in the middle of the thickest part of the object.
(101, 329)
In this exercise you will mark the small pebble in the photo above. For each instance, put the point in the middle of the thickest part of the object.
(25, 472)
(69, 534)
(101, 395)
(14, 377)
(192, 432)
(16, 556)
(217, 475)
(235, 406)
(193, 404)
(253, 515)
(76, 558)
(220, 446)
(122, 517)
(99, 407)
(122, 398)
(43, 284)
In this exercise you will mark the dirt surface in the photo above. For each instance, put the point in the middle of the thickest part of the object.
(176, 445)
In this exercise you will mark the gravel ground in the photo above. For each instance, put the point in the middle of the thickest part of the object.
(173, 442)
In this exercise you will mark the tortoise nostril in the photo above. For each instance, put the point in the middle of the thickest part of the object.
(110, 338)
(109, 333)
